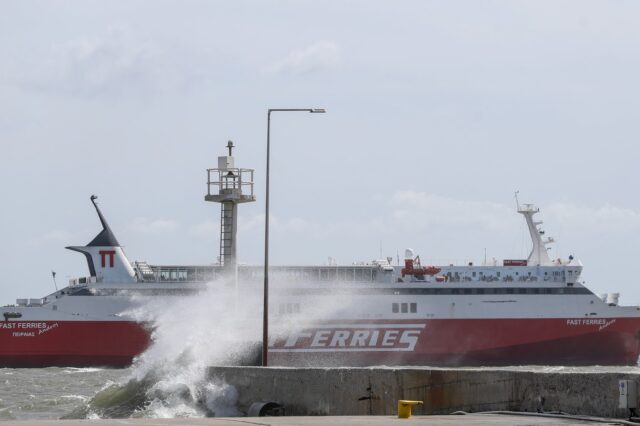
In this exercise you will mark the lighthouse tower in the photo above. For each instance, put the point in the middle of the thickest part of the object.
(229, 186)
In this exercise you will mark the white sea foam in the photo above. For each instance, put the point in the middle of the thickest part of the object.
(218, 326)
(75, 370)
(79, 397)
(190, 334)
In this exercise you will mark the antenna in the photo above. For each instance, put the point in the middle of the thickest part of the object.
(516, 197)
(53, 275)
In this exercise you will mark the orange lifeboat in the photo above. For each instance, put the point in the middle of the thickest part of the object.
(413, 267)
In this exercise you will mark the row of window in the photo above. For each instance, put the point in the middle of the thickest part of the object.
(432, 290)
(288, 308)
(404, 308)
(362, 292)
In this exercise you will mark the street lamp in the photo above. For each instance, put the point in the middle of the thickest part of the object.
(265, 318)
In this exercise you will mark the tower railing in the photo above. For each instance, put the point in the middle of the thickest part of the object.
(225, 181)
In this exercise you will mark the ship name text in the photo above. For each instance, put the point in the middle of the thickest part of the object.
(371, 338)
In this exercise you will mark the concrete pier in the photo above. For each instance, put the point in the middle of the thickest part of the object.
(375, 391)
(473, 420)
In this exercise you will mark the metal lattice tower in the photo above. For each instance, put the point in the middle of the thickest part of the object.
(229, 186)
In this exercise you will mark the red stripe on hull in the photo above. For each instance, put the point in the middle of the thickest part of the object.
(473, 342)
(71, 343)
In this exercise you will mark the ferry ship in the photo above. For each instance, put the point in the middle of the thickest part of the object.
(514, 312)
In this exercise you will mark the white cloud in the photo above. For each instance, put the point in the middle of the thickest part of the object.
(320, 56)
(421, 209)
(606, 217)
(146, 225)
(114, 65)
(205, 230)
(56, 237)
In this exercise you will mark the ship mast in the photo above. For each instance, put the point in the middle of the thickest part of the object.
(538, 255)
(229, 186)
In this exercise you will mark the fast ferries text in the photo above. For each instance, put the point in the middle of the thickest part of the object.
(28, 329)
(383, 338)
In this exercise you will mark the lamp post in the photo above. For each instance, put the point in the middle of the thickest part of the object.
(265, 317)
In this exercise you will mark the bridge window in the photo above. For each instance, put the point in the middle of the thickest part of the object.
(404, 308)
(395, 308)
(413, 308)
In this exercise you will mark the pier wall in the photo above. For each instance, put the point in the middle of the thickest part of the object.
(375, 391)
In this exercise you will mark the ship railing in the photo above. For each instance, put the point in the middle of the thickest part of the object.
(356, 273)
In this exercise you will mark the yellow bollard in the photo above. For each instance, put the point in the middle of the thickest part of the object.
(404, 408)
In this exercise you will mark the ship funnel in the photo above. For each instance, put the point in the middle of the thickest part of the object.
(105, 237)
(105, 258)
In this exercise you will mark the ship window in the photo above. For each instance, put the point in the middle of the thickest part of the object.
(474, 273)
(522, 291)
(517, 273)
(509, 291)
(467, 291)
(413, 308)
(480, 291)
(404, 308)
(498, 274)
(394, 308)
(455, 291)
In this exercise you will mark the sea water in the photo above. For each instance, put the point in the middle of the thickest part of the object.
(50, 393)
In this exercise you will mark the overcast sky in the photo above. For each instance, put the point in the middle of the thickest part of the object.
(437, 113)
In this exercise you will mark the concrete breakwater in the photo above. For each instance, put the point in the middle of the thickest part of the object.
(375, 391)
